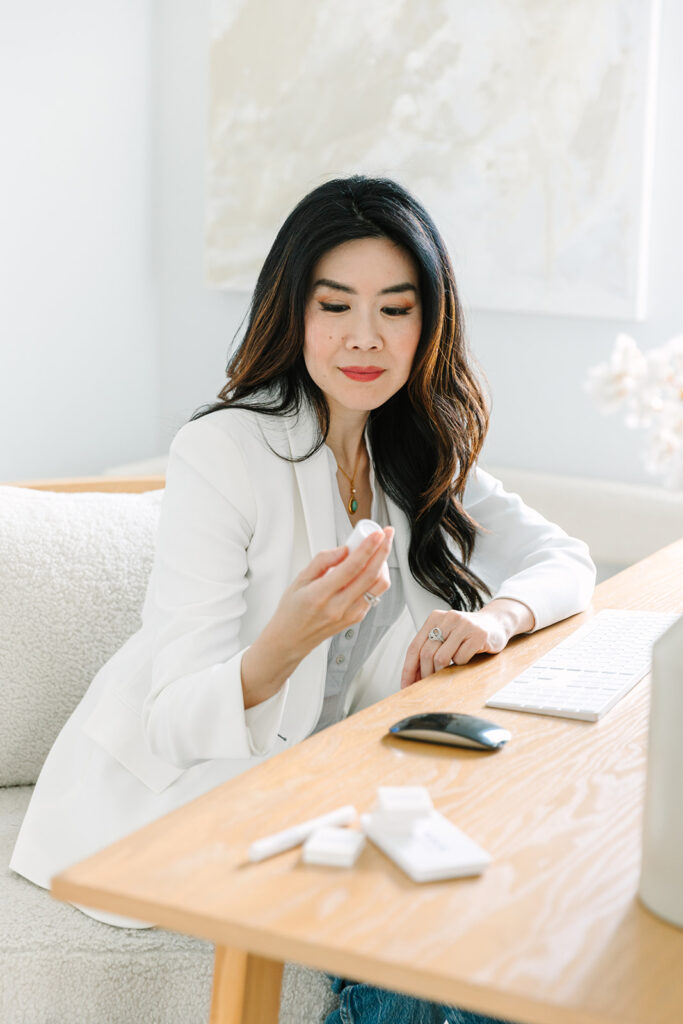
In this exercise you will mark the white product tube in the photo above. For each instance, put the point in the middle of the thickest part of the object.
(289, 837)
(363, 529)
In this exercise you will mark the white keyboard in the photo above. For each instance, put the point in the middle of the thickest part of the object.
(586, 674)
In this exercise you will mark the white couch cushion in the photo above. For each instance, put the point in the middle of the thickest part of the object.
(73, 576)
(59, 965)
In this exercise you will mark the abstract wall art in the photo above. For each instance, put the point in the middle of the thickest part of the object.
(525, 127)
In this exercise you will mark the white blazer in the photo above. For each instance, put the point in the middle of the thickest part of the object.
(164, 720)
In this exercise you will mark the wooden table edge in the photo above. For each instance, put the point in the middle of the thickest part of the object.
(246, 959)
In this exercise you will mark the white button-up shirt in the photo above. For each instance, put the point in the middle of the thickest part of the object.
(349, 649)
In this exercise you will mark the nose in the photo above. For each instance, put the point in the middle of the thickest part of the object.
(363, 333)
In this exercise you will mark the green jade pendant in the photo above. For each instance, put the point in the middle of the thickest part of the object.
(353, 503)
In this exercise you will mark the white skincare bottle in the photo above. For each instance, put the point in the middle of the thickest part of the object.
(661, 878)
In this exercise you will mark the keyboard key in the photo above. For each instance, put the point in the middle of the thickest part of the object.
(586, 674)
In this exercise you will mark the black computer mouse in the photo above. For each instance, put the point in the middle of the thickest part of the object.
(451, 728)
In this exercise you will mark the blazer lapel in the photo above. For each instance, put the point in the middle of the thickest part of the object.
(314, 487)
(314, 483)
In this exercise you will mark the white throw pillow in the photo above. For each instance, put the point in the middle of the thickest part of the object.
(73, 576)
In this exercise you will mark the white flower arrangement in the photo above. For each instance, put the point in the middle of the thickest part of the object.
(648, 388)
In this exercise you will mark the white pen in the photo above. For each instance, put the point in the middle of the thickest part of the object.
(289, 837)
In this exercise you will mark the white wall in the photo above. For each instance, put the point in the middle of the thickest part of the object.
(110, 338)
(78, 343)
(197, 324)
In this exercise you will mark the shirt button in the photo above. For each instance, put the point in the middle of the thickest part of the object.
(348, 634)
(340, 659)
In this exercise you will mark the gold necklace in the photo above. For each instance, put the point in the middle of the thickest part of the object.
(353, 504)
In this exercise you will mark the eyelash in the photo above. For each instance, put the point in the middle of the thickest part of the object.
(332, 307)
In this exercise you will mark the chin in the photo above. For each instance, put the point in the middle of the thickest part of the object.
(365, 396)
(363, 404)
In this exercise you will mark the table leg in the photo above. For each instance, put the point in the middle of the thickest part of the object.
(246, 988)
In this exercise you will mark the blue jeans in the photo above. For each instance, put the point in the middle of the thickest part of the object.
(363, 1004)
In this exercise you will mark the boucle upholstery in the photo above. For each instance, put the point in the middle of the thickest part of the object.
(73, 574)
(59, 966)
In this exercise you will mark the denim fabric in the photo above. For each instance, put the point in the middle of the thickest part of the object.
(363, 1004)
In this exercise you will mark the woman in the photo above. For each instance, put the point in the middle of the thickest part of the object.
(351, 396)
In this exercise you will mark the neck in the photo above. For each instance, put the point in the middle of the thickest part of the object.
(345, 437)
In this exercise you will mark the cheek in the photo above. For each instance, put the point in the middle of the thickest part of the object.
(408, 347)
(318, 346)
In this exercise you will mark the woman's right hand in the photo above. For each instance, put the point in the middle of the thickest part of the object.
(324, 599)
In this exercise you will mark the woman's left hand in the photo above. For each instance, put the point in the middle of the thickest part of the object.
(465, 634)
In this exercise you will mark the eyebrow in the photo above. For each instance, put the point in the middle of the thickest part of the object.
(405, 286)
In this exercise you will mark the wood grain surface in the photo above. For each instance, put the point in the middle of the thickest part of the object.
(551, 933)
(113, 484)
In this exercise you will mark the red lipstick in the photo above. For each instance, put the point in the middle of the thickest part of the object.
(364, 373)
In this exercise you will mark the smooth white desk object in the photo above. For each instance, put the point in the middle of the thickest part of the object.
(333, 847)
(412, 801)
(661, 878)
(432, 851)
(398, 808)
(290, 837)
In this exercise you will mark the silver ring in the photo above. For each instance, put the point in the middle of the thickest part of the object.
(436, 634)
(372, 599)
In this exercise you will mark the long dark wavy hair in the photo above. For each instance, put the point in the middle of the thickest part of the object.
(427, 437)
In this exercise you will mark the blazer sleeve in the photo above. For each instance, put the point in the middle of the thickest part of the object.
(194, 710)
(521, 555)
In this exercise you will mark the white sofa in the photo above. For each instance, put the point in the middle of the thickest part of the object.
(73, 573)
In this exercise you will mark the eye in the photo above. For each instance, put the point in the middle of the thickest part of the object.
(333, 307)
(397, 310)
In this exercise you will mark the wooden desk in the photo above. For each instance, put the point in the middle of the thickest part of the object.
(552, 933)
